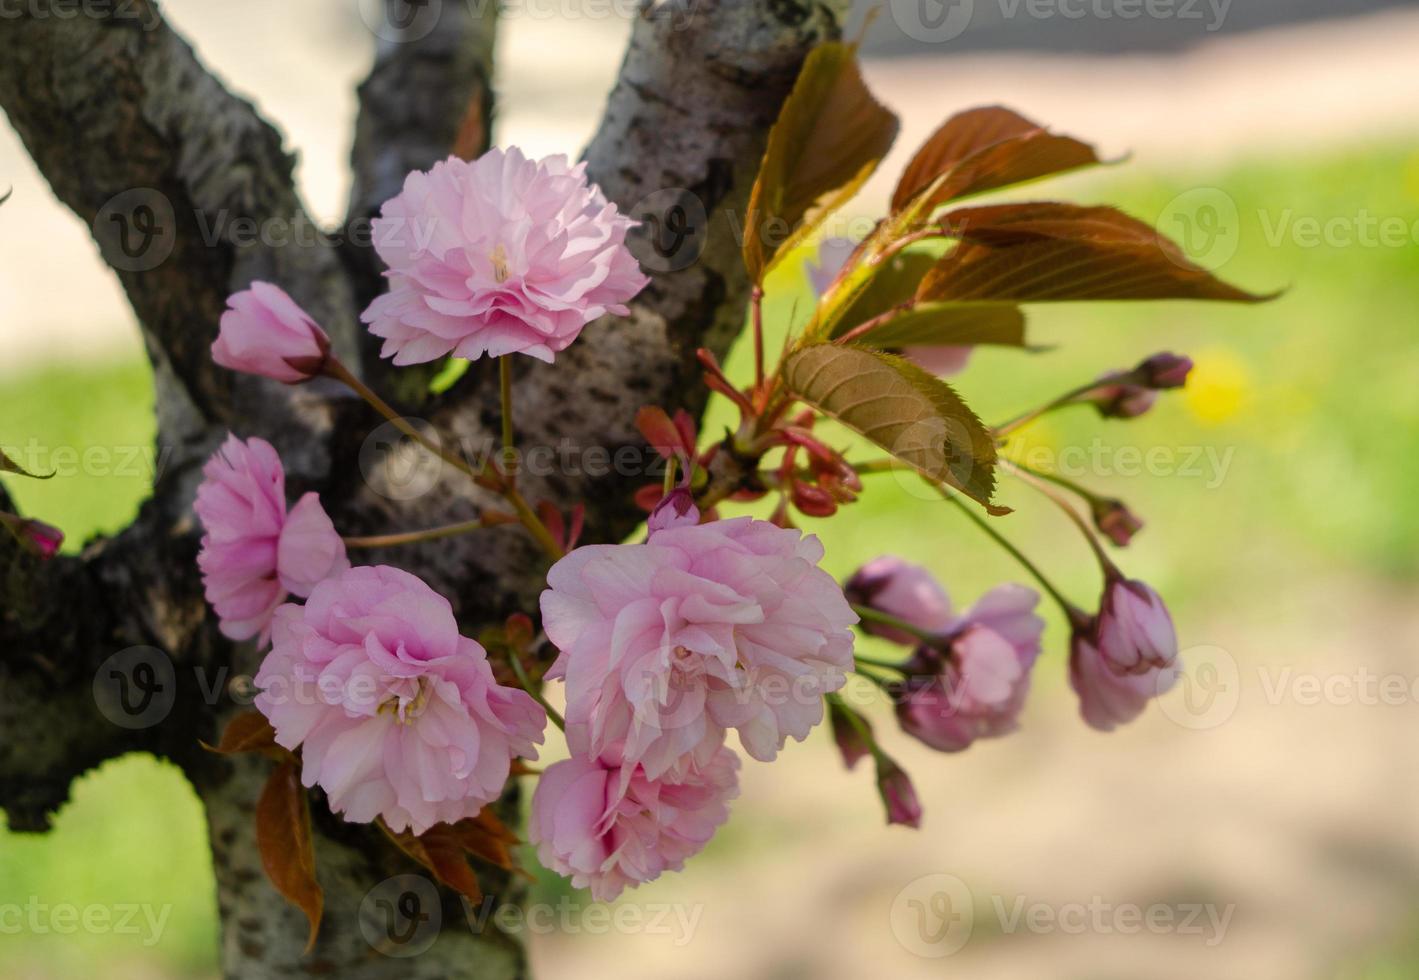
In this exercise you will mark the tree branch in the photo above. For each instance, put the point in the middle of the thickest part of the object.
(431, 86)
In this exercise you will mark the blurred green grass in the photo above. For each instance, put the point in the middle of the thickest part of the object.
(1309, 401)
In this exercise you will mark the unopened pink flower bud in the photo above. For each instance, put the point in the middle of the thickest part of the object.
(265, 332)
(1134, 631)
(1165, 370)
(1115, 521)
(1122, 400)
(852, 740)
(1108, 698)
(36, 537)
(902, 589)
(898, 794)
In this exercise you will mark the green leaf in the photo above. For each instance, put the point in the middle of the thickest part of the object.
(829, 138)
(916, 417)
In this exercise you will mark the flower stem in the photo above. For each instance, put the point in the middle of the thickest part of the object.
(338, 371)
(887, 619)
(756, 300)
(1068, 398)
(1071, 611)
(509, 438)
(536, 694)
(414, 537)
(874, 662)
(1029, 477)
(525, 513)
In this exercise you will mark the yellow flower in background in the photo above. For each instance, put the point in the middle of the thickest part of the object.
(1219, 386)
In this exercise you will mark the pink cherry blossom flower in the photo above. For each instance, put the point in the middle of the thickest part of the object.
(254, 554)
(833, 253)
(608, 826)
(500, 255)
(1134, 631)
(902, 589)
(396, 714)
(1108, 698)
(977, 688)
(666, 644)
(264, 332)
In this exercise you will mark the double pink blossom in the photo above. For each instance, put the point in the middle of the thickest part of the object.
(254, 552)
(702, 628)
(396, 714)
(265, 332)
(500, 255)
(604, 823)
(977, 686)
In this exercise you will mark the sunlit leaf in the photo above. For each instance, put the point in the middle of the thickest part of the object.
(1051, 251)
(982, 149)
(283, 837)
(916, 417)
(829, 138)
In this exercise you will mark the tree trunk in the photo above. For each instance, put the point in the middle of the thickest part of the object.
(160, 159)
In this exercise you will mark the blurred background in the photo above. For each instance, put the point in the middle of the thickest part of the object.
(1259, 822)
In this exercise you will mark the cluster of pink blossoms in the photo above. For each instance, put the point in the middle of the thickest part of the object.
(398, 716)
(665, 645)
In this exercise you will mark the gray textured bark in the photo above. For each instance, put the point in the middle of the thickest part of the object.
(119, 118)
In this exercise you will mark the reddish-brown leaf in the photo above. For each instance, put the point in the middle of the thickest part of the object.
(441, 850)
(829, 137)
(472, 138)
(982, 149)
(250, 732)
(1042, 251)
(8, 465)
(287, 848)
